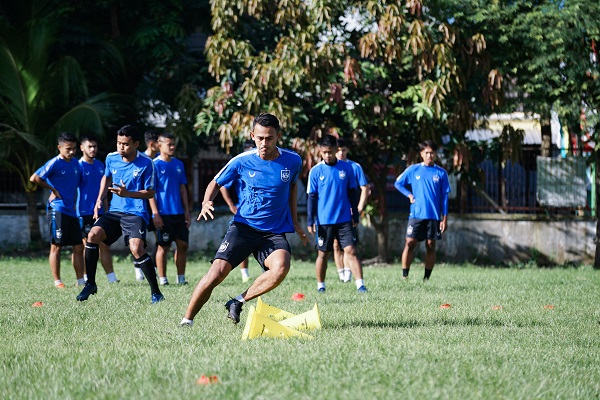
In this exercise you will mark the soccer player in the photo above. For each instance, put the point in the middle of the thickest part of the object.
(61, 175)
(129, 176)
(332, 210)
(92, 171)
(428, 206)
(361, 181)
(234, 185)
(170, 209)
(267, 212)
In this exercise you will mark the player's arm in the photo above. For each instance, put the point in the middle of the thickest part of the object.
(185, 203)
(312, 207)
(445, 191)
(228, 200)
(364, 195)
(121, 190)
(35, 178)
(353, 196)
(293, 204)
(101, 200)
(207, 204)
(156, 218)
(400, 185)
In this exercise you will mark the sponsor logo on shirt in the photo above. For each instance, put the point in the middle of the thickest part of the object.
(418, 177)
(285, 175)
(113, 171)
(251, 174)
(321, 177)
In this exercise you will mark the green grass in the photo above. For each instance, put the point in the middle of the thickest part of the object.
(393, 343)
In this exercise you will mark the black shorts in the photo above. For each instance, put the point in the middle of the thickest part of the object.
(344, 233)
(64, 229)
(174, 228)
(116, 224)
(242, 240)
(422, 229)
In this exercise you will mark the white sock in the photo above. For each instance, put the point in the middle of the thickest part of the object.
(320, 285)
(139, 274)
(245, 273)
(85, 277)
(240, 299)
(186, 321)
(163, 280)
(112, 277)
(359, 283)
(347, 274)
(80, 281)
(57, 282)
(341, 274)
(181, 278)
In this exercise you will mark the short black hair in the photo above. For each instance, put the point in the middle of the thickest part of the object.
(89, 138)
(166, 135)
(428, 143)
(64, 137)
(266, 120)
(130, 131)
(150, 136)
(342, 142)
(328, 141)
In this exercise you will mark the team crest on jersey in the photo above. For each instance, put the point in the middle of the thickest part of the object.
(409, 230)
(342, 175)
(436, 178)
(136, 172)
(179, 170)
(223, 246)
(285, 175)
(321, 241)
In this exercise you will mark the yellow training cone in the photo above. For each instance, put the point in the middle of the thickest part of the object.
(305, 321)
(274, 313)
(260, 326)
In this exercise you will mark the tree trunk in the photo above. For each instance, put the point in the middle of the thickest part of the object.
(34, 217)
(381, 224)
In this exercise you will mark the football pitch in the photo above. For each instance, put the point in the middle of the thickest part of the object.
(518, 333)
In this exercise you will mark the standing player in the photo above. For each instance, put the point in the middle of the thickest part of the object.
(170, 209)
(361, 181)
(267, 212)
(129, 176)
(61, 176)
(236, 185)
(92, 171)
(428, 206)
(332, 212)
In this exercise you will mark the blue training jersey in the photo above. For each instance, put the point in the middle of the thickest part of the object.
(265, 187)
(64, 176)
(359, 174)
(169, 178)
(430, 189)
(331, 184)
(136, 175)
(89, 187)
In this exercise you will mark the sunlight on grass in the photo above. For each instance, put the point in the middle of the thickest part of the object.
(497, 339)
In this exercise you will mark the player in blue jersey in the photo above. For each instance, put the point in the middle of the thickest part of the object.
(61, 175)
(267, 212)
(92, 171)
(225, 192)
(344, 272)
(170, 209)
(332, 210)
(129, 176)
(428, 197)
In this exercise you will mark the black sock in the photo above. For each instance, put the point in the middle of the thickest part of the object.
(405, 272)
(427, 273)
(92, 253)
(147, 266)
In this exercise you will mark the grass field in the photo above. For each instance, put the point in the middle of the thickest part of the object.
(393, 343)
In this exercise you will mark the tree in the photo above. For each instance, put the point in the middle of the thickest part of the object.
(381, 73)
(41, 94)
